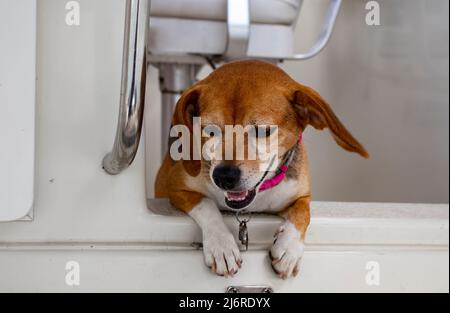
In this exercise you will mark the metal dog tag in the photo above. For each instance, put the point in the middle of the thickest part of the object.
(243, 234)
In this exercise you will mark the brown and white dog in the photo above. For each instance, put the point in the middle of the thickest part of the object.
(250, 93)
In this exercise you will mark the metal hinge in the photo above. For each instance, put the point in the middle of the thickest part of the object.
(249, 289)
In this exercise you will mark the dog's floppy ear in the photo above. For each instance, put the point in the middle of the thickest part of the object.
(186, 109)
(313, 110)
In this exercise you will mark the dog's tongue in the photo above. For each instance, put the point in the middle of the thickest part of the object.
(237, 196)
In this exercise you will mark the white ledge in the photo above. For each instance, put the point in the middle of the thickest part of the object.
(333, 223)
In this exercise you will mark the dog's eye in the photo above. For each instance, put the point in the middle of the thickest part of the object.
(265, 131)
(211, 131)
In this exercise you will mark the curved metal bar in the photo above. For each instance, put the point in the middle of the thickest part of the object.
(132, 94)
(324, 36)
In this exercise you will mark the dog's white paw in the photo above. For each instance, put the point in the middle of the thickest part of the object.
(287, 251)
(221, 252)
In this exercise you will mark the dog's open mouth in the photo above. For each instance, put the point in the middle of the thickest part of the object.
(238, 200)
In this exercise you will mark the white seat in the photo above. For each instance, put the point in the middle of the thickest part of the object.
(282, 12)
(180, 27)
(180, 36)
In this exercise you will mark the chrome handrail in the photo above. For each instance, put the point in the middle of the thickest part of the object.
(132, 93)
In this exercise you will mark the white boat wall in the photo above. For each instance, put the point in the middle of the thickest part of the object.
(124, 248)
(82, 230)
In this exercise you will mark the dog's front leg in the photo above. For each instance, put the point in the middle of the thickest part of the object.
(287, 250)
(219, 247)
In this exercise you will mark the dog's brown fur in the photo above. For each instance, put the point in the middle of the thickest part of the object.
(242, 93)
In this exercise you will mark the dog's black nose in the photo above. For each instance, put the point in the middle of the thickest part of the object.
(227, 177)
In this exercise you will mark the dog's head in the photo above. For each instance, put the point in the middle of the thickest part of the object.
(267, 104)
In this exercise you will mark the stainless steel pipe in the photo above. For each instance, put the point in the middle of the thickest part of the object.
(132, 93)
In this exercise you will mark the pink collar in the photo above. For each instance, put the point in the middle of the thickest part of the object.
(282, 170)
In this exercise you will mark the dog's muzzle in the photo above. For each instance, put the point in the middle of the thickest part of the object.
(228, 178)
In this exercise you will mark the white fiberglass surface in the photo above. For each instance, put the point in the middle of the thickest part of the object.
(17, 107)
